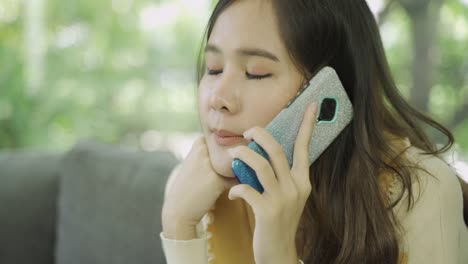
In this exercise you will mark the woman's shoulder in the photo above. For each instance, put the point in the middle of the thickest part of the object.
(436, 191)
(433, 173)
(431, 176)
(433, 228)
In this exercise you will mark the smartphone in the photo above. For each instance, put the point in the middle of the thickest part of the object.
(335, 112)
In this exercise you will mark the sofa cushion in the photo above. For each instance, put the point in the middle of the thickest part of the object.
(109, 205)
(28, 193)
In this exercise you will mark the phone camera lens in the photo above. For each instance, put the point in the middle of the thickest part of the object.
(327, 109)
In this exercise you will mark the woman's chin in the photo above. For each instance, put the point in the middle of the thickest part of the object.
(223, 167)
(220, 159)
(222, 164)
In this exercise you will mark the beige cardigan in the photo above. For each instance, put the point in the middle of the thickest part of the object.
(434, 230)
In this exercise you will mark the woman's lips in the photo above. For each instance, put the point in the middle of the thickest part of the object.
(227, 141)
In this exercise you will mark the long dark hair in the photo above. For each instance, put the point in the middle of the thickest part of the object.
(347, 219)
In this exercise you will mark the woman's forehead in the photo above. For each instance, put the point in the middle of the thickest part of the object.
(248, 24)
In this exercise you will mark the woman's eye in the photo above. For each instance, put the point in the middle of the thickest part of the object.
(257, 77)
(249, 76)
(214, 72)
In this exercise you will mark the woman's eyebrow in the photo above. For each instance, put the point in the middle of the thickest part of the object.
(245, 52)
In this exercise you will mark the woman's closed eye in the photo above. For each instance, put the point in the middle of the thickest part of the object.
(214, 72)
(247, 74)
(257, 77)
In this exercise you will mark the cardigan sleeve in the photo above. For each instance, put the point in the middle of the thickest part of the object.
(433, 227)
(185, 251)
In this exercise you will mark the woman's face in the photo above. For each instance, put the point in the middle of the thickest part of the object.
(249, 77)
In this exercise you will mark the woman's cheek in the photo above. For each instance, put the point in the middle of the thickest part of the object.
(204, 101)
(203, 88)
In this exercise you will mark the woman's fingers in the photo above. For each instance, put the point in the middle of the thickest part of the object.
(229, 182)
(250, 196)
(300, 168)
(260, 165)
(274, 150)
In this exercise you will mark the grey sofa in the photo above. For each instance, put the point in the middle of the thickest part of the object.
(94, 204)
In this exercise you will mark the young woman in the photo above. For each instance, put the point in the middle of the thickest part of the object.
(380, 193)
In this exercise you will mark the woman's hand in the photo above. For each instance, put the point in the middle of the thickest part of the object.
(278, 210)
(193, 191)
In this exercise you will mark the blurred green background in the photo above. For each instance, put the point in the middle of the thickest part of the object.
(123, 71)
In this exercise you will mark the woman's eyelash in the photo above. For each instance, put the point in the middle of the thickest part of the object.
(249, 76)
(214, 72)
(257, 77)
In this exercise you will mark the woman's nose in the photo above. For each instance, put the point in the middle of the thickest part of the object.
(225, 95)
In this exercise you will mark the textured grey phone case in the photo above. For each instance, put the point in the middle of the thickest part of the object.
(285, 126)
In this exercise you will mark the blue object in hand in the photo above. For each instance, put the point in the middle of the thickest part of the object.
(244, 173)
